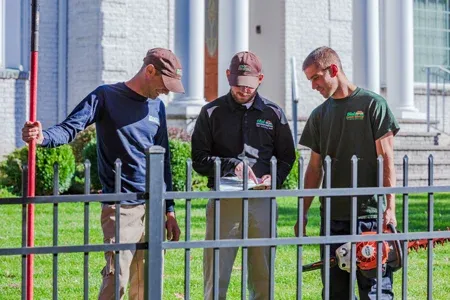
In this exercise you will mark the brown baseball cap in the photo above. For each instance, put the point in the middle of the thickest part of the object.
(166, 62)
(245, 68)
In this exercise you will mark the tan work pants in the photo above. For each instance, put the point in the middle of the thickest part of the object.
(231, 228)
(131, 262)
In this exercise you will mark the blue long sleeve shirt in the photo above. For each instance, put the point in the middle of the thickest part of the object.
(126, 124)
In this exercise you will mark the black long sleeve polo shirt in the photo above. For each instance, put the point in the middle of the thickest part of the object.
(230, 131)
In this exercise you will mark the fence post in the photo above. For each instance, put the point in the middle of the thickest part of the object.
(154, 225)
(294, 99)
(24, 230)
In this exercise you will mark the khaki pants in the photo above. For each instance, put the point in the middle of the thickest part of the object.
(231, 228)
(131, 262)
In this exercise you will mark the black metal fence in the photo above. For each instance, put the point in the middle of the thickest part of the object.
(154, 244)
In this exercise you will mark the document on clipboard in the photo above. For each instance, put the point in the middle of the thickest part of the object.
(237, 184)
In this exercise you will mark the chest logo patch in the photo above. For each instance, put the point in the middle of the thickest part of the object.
(153, 119)
(266, 124)
(357, 115)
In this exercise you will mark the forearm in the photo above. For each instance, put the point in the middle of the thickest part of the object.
(313, 180)
(389, 180)
(58, 135)
(83, 115)
(205, 165)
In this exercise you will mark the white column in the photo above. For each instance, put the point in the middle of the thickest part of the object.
(195, 75)
(190, 48)
(2, 35)
(233, 36)
(12, 33)
(62, 60)
(399, 32)
(366, 46)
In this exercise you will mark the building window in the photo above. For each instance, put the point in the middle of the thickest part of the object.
(14, 34)
(431, 36)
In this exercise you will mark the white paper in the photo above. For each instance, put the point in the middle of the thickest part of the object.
(237, 184)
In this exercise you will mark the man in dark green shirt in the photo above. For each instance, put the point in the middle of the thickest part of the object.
(352, 121)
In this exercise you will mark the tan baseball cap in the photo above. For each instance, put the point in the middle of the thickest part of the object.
(245, 68)
(166, 62)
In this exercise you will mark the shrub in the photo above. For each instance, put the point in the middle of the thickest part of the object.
(5, 193)
(291, 182)
(176, 133)
(180, 151)
(82, 139)
(11, 169)
(90, 153)
(78, 144)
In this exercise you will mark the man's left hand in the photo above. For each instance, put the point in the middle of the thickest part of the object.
(389, 218)
(173, 231)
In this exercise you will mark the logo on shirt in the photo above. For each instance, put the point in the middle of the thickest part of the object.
(266, 124)
(357, 115)
(153, 119)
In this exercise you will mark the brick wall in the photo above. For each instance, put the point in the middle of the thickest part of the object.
(130, 28)
(48, 63)
(84, 60)
(109, 38)
(13, 113)
(310, 24)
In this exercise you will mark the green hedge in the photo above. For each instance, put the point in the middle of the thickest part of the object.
(82, 140)
(90, 153)
(180, 152)
(5, 193)
(11, 169)
(291, 182)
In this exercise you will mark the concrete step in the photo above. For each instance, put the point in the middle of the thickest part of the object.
(439, 169)
(417, 154)
(413, 125)
(412, 132)
(406, 125)
(417, 163)
(420, 153)
(416, 138)
(422, 180)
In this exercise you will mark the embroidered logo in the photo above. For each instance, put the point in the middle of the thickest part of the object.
(244, 68)
(266, 124)
(153, 119)
(179, 72)
(357, 115)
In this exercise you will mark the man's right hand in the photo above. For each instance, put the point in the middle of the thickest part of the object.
(239, 171)
(32, 131)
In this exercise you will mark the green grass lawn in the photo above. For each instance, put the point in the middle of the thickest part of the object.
(71, 265)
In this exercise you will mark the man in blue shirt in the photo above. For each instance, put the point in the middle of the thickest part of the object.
(127, 123)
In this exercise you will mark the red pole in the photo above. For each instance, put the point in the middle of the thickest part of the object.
(32, 144)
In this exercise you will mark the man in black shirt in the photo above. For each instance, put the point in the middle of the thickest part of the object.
(237, 125)
(351, 121)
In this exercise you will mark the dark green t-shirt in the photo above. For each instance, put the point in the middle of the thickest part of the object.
(345, 127)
